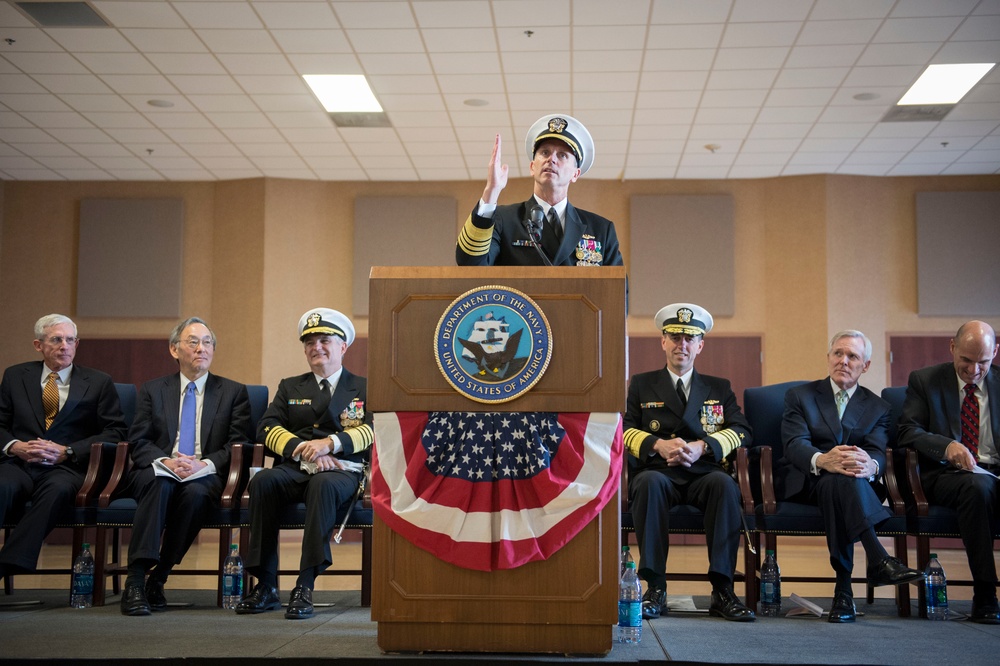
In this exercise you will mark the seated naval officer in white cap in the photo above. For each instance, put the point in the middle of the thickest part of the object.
(318, 423)
(680, 427)
(546, 229)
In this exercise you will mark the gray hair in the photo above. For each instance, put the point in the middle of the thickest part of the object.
(50, 320)
(851, 333)
(175, 335)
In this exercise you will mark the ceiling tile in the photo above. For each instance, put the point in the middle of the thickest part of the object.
(139, 14)
(235, 15)
(239, 41)
(278, 15)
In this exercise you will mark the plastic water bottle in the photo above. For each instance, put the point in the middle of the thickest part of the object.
(626, 558)
(629, 606)
(770, 586)
(82, 593)
(232, 578)
(936, 590)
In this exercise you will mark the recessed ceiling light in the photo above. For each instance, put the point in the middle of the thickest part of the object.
(340, 93)
(160, 103)
(475, 102)
(945, 84)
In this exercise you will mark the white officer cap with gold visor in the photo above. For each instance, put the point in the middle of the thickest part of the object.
(563, 128)
(684, 318)
(326, 322)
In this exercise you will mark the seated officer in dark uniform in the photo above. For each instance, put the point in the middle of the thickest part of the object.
(318, 423)
(545, 230)
(680, 426)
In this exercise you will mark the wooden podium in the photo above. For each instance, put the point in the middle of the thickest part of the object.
(567, 603)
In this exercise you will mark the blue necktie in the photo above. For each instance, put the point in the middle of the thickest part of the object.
(188, 409)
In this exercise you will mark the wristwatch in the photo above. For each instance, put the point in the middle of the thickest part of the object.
(70, 454)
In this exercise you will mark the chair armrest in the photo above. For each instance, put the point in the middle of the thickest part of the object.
(892, 484)
(916, 488)
(98, 470)
(237, 472)
(366, 497)
(256, 460)
(116, 480)
(743, 479)
(623, 492)
(767, 480)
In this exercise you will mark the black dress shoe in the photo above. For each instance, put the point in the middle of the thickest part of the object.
(654, 603)
(154, 595)
(843, 609)
(300, 604)
(134, 601)
(891, 571)
(261, 598)
(727, 605)
(988, 613)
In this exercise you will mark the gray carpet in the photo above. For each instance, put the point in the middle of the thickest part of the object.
(201, 632)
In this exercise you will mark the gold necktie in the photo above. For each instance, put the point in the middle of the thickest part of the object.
(50, 399)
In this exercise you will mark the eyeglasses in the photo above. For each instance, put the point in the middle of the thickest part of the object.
(192, 343)
(57, 340)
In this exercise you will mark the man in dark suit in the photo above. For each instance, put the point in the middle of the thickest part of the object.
(180, 443)
(951, 416)
(318, 423)
(834, 433)
(51, 411)
(680, 426)
(561, 150)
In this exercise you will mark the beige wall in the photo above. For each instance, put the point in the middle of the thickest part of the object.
(814, 254)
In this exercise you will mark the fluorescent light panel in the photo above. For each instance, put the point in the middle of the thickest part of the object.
(343, 92)
(945, 84)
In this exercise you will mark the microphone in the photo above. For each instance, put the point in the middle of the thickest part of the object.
(534, 226)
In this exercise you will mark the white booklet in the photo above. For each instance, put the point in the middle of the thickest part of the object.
(162, 470)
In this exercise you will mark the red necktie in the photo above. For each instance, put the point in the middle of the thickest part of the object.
(970, 420)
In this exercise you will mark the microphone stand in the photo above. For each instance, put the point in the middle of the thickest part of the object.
(533, 225)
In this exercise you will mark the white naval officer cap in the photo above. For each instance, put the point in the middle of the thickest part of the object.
(326, 322)
(685, 318)
(564, 128)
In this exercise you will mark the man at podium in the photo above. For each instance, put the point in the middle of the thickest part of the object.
(545, 230)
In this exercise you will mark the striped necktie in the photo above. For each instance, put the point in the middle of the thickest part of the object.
(970, 420)
(50, 399)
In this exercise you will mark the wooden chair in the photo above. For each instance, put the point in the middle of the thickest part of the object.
(925, 521)
(688, 519)
(764, 407)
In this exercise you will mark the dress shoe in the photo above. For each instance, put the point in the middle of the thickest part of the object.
(154, 595)
(300, 604)
(134, 601)
(988, 613)
(727, 605)
(261, 598)
(842, 610)
(654, 603)
(891, 571)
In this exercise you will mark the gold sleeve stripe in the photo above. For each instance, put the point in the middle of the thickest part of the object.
(361, 437)
(277, 439)
(728, 439)
(634, 439)
(473, 240)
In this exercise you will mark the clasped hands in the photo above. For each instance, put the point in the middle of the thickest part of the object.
(849, 461)
(41, 451)
(318, 451)
(679, 453)
(183, 465)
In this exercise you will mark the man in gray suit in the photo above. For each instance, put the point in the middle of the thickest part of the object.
(834, 433)
(951, 416)
(180, 443)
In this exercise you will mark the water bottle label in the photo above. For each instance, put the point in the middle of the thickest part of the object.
(629, 613)
(83, 584)
(767, 593)
(229, 583)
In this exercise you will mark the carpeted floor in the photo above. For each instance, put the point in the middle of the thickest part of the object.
(202, 633)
